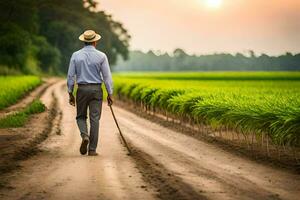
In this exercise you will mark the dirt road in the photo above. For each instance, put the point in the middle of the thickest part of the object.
(165, 165)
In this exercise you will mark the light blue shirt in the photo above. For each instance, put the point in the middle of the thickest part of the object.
(88, 65)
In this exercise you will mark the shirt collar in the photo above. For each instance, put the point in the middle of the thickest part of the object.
(89, 47)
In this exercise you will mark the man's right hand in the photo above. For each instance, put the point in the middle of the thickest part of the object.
(110, 100)
(71, 99)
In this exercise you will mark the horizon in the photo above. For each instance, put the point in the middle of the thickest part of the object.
(245, 53)
(205, 27)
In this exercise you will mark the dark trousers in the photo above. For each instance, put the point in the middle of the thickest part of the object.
(89, 97)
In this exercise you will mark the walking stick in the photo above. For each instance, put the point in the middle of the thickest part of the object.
(123, 139)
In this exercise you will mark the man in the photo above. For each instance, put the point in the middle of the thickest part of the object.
(90, 68)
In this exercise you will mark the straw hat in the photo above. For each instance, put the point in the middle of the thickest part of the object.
(89, 36)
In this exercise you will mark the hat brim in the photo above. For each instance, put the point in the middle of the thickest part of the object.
(81, 38)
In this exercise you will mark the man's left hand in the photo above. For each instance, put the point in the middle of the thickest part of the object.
(71, 99)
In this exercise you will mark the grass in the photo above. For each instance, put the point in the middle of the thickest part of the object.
(12, 88)
(254, 104)
(20, 118)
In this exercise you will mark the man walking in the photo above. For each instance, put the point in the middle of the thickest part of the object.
(89, 68)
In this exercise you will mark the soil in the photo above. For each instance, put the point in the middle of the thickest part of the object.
(165, 164)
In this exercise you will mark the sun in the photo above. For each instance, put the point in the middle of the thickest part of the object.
(214, 3)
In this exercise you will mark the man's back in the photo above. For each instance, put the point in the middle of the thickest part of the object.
(88, 63)
(89, 66)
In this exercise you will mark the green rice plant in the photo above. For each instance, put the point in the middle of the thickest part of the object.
(264, 103)
(12, 88)
(146, 95)
(136, 93)
(166, 95)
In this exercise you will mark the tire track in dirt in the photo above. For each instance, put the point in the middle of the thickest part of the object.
(156, 171)
(29, 146)
(168, 185)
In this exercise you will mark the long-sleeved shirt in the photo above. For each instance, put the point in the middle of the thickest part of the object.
(89, 66)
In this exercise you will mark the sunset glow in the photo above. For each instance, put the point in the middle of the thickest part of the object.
(208, 26)
(214, 3)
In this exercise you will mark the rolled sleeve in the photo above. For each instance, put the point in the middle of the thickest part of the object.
(71, 75)
(106, 74)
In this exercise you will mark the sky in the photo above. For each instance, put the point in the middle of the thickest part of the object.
(209, 26)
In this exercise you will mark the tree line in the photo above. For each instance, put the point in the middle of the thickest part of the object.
(181, 61)
(39, 36)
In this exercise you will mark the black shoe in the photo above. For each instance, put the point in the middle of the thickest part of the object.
(93, 153)
(84, 145)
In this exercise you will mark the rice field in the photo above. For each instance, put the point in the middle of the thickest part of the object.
(259, 107)
(12, 88)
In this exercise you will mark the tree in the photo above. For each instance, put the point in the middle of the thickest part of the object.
(46, 32)
(181, 61)
(18, 23)
(14, 42)
(179, 53)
